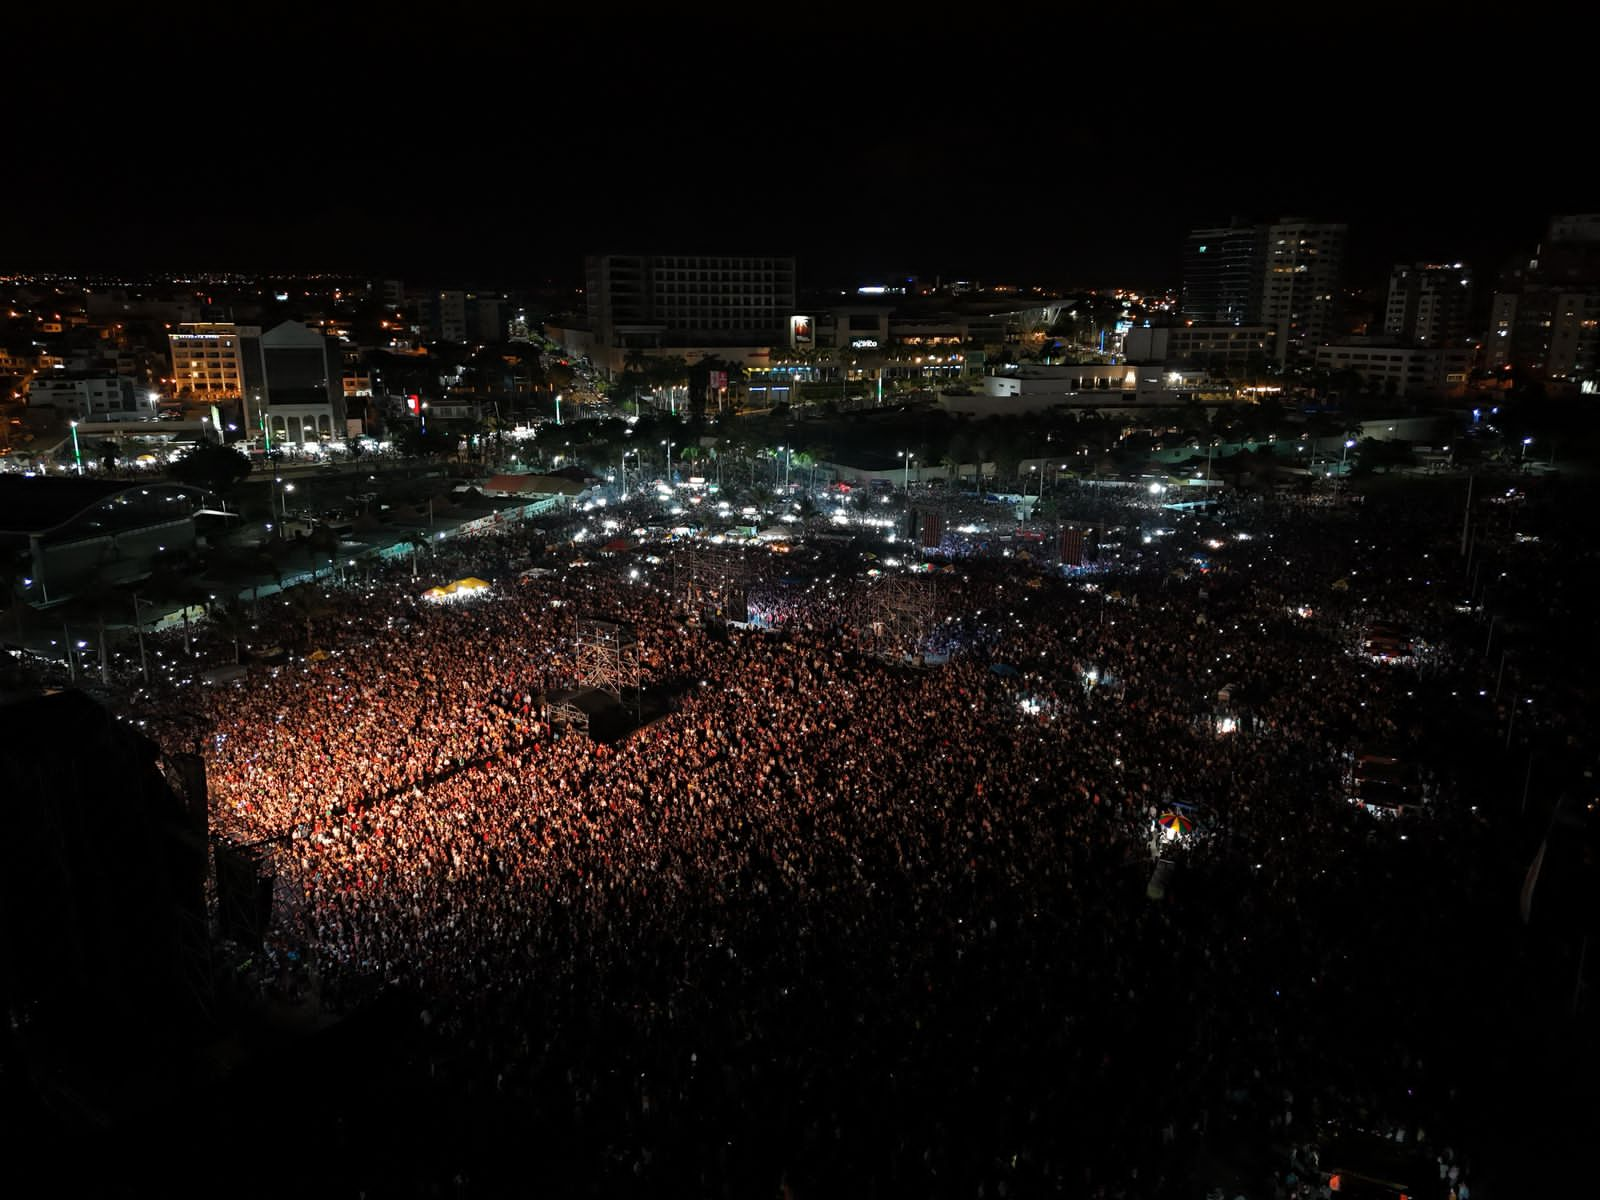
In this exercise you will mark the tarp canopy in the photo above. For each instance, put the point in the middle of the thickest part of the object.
(461, 587)
(532, 485)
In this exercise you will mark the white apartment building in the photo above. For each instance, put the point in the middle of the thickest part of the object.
(92, 397)
(1429, 303)
(1400, 370)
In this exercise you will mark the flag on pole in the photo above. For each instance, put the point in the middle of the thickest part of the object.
(1532, 879)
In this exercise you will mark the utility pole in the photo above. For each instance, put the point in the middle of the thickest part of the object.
(138, 625)
(1466, 515)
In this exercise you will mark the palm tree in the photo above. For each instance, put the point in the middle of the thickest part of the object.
(229, 618)
(265, 561)
(309, 606)
(418, 542)
(737, 377)
(843, 359)
(875, 360)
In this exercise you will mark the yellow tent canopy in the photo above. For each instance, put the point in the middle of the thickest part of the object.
(459, 587)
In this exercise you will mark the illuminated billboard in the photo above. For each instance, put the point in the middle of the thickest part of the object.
(801, 336)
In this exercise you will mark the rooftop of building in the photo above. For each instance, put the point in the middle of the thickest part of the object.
(42, 503)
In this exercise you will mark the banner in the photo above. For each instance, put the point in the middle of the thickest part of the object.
(1070, 548)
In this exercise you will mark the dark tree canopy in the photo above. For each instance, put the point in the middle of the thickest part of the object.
(216, 468)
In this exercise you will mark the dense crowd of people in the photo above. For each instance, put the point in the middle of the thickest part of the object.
(842, 924)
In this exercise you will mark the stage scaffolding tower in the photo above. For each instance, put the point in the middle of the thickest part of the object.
(899, 611)
(608, 657)
(715, 578)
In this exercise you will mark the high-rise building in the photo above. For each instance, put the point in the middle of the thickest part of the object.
(1545, 317)
(1222, 274)
(1430, 304)
(207, 362)
(1300, 283)
(1222, 349)
(452, 315)
(650, 301)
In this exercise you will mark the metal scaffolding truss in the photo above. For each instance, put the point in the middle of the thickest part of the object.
(899, 612)
(562, 713)
(607, 656)
(711, 576)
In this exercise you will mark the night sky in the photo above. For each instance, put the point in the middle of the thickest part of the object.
(1031, 148)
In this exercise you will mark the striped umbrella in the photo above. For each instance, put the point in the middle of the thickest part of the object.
(1177, 822)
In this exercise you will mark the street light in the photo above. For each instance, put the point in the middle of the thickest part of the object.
(77, 454)
(625, 453)
(908, 456)
(138, 625)
(1526, 442)
(667, 442)
(1348, 442)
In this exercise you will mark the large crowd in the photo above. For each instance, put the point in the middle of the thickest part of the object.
(843, 924)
